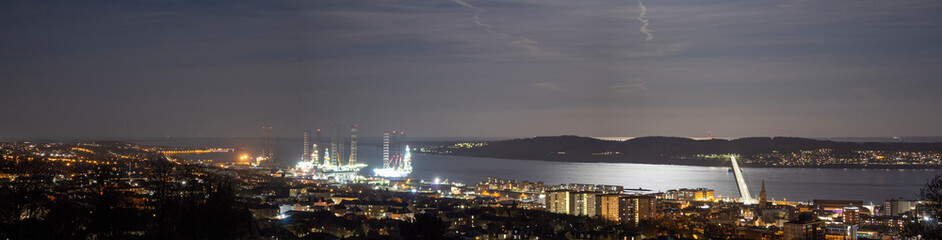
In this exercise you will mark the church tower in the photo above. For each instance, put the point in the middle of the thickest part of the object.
(762, 197)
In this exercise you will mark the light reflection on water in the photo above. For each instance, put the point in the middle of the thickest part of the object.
(795, 184)
(792, 183)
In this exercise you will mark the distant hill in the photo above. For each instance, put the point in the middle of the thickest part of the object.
(662, 150)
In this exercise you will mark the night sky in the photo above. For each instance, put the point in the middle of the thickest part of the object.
(474, 68)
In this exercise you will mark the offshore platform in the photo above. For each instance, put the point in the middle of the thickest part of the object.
(398, 162)
(329, 160)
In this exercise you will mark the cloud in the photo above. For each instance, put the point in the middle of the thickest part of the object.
(477, 18)
(529, 44)
(632, 86)
(548, 86)
(644, 22)
(466, 5)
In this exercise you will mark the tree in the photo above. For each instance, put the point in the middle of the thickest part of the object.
(425, 226)
(932, 193)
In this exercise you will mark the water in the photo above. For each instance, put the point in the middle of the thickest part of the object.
(793, 184)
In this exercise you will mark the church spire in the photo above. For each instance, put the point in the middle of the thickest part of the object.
(762, 196)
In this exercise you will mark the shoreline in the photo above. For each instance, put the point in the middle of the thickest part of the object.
(724, 164)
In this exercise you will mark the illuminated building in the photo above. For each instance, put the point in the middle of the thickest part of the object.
(572, 202)
(851, 215)
(578, 187)
(897, 207)
(839, 206)
(686, 194)
(627, 208)
(609, 207)
(585, 203)
(592, 188)
(610, 188)
(560, 201)
(704, 195)
(840, 232)
(638, 207)
(807, 226)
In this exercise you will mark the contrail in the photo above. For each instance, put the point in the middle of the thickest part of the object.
(465, 4)
(644, 22)
(526, 43)
(488, 27)
(477, 16)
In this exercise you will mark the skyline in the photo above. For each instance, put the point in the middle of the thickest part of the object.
(471, 68)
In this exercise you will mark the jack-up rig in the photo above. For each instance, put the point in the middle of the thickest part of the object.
(397, 163)
(331, 162)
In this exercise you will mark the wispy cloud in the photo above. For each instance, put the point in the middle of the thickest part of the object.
(529, 44)
(632, 86)
(644, 22)
(548, 86)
